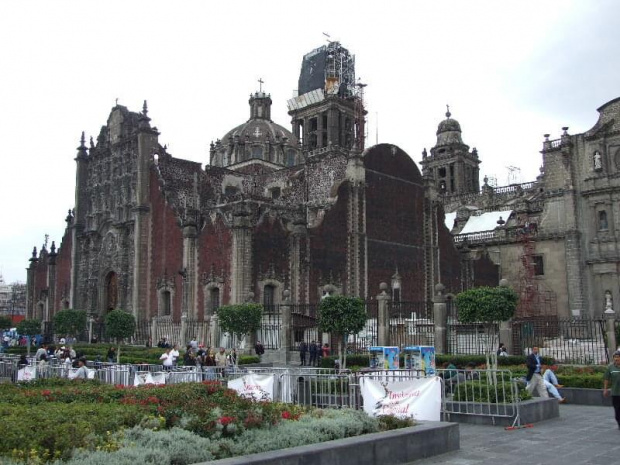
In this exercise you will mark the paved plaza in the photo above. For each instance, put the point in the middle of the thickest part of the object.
(582, 435)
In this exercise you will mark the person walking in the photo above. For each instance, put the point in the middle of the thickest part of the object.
(611, 378)
(313, 352)
(534, 378)
(303, 351)
(259, 349)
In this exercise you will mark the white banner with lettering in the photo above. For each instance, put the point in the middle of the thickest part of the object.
(27, 373)
(419, 399)
(258, 387)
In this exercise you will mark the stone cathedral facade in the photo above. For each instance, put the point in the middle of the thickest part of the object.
(273, 210)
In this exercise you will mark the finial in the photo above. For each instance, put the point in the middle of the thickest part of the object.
(448, 114)
(486, 180)
(92, 144)
(116, 101)
(53, 248)
(82, 141)
(260, 84)
(424, 153)
(34, 253)
(144, 109)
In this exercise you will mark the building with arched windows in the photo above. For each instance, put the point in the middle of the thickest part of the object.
(273, 210)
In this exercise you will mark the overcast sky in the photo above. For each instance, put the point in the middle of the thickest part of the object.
(511, 71)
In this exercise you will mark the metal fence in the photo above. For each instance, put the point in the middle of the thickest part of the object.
(572, 340)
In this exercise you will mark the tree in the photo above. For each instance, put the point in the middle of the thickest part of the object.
(489, 306)
(241, 319)
(341, 316)
(119, 324)
(5, 322)
(29, 328)
(70, 322)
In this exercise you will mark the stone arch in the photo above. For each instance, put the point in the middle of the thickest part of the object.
(213, 292)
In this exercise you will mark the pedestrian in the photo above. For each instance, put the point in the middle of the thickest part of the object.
(259, 349)
(612, 378)
(167, 359)
(534, 376)
(82, 371)
(325, 350)
(500, 349)
(313, 351)
(220, 358)
(551, 382)
(111, 355)
(175, 354)
(303, 350)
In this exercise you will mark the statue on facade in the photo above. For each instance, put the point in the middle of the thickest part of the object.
(598, 160)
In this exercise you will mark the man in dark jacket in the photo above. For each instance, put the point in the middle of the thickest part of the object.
(314, 349)
(303, 350)
(534, 377)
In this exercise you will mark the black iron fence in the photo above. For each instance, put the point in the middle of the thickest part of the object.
(568, 340)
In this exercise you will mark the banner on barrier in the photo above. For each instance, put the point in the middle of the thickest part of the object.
(258, 387)
(419, 399)
(27, 373)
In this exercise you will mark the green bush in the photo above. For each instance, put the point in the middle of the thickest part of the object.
(591, 381)
(480, 391)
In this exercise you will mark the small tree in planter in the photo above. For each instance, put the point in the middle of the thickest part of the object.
(29, 328)
(70, 322)
(239, 320)
(489, 306)
(119, 324)
(341, 316)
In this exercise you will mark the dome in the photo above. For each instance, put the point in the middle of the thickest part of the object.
(257, 139)
(449, 131)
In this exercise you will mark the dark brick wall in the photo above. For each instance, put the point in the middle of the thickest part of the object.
(214, 257)
(328, 244)
(166, 252)
(270, 252)
(394, 224)
(486, 273)
(63, 270)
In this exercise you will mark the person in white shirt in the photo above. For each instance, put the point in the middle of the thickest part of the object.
(175, 354)
(167, 359)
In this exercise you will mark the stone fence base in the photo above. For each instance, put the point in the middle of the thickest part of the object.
(397, 446)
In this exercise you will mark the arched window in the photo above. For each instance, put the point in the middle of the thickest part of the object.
(166, 301)
(602, 220)
(269, 292)
(214, 300)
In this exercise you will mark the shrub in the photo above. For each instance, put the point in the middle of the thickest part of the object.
(479, 391)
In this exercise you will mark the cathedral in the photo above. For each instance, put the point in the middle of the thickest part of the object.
(554, 238)
(300, 212)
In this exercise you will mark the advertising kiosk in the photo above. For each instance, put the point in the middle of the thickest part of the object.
(385, 358)
(420, 358)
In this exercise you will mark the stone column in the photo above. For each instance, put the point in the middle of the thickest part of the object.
(251, 342)
(285, 328)
(241, 255)
(440, 317)
(610, 320)
(356, 227)
(189, 266)
(383, 317)
(154, 338)
(183, 335)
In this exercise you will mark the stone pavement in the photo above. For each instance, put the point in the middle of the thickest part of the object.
(581, 435)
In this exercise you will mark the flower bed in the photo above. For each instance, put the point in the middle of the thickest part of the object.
(184, 423)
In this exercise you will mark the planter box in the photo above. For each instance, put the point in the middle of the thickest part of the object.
(583, 396)
(531, 411)
(390, 447)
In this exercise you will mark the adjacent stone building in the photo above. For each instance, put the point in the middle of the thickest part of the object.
(555, 238)
(273, 210)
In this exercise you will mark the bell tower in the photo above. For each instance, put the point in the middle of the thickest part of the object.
(451, 164)
(328, 111)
